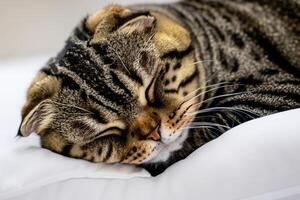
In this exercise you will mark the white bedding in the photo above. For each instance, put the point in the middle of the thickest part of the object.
(257, 160)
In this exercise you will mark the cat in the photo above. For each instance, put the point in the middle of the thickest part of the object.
(149, 84)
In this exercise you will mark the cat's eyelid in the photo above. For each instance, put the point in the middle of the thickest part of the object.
(150, 89)
(110, 131)
(116, 127)
(119, 124)
(114, 123)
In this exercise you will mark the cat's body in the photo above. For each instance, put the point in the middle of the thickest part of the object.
(181, 74)
(252, 45)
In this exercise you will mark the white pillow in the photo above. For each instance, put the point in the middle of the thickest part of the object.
(254, 158)
(258, 159)
(26, 166)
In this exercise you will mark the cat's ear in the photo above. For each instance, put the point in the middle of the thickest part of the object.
(37, 108)
(141, 24)
(104, 22)
(117, 18)
(106, 19)
(37, 119)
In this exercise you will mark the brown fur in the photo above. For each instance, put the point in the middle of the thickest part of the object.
(150, 84)
(143, 129)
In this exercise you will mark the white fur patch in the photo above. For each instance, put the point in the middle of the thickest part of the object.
(167, 146)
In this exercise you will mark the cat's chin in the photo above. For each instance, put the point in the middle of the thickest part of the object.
(164, 148)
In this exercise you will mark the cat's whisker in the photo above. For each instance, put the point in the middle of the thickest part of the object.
(208, 116)
(185, 100)
(76, 114)
(203, 61)
(189, 96)
(210, 128)
(205, 84)
(204, 92)
(150, 38)
(119, 57)
(233, 119)
(220, 96)
(201, 88)
(192, 127)
(240, 112)
(191, 106)
(210, 124)
(208, 131)
(205, 125)
(207, 110)
(209, 86)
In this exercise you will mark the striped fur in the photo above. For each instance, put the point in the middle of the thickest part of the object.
(128, 88)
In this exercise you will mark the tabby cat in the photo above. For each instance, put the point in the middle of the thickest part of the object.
(149, 84)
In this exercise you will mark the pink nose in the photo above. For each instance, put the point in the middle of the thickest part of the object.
(154, 135)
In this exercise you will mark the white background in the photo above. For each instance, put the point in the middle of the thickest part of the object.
(37, 27)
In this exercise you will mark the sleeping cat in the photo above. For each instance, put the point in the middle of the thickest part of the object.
(149, 84)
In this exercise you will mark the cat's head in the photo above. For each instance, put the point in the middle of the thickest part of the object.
(120, 91)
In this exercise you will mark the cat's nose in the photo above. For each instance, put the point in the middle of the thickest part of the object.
(154, 134)
(147, 126)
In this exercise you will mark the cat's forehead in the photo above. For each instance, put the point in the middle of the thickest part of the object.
(114, 90)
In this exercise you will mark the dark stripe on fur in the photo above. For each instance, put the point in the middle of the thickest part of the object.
(109, 152)
(66, 151)
(178, 54)
(134, 76)
(101, 104)
(120, 84)
(258, 104)
(82, 32)
(100, 151)
(170, 91)
(189, 79)
(251, 27)
(184, 82)
(271, 51)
